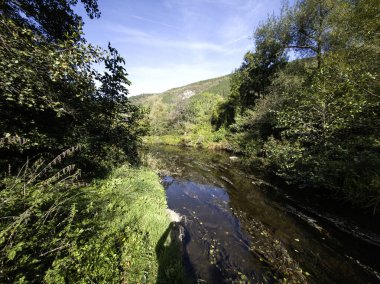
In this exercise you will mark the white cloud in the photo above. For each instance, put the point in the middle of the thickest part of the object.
(149, 20)
(208, 44)
(123, 30)
(136, 36)
(233, 28)
(239, 39)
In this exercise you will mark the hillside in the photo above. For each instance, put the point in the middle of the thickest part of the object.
(219, 85)
(183, 115)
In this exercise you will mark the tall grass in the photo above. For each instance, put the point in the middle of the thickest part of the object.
(55, 229)
(37, 209)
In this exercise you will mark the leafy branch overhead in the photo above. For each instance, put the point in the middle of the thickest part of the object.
(52, 95)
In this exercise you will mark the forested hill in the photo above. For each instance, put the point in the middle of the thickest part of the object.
(219, 85)
(184, 113)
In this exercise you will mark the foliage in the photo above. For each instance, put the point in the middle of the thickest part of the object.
(313, 121)
(52, 96)
(226, 110)
(310, 27)
(37, 213)
(53, 19)
(55, 230)
(174, 110)
(182, 116)
(251, 81)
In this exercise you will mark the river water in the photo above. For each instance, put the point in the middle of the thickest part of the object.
(240, 228)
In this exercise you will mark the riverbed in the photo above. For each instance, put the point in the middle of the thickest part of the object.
(242, 227)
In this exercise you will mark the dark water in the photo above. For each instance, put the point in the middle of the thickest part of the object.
(241, 229)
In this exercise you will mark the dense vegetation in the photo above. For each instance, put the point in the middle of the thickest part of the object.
(115, 230)
(314, 121)
(62, 123)
(52, 97)
(305, 102)
(182, 115)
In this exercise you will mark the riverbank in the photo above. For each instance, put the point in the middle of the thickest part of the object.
(206, 140)
(117, 231)
(231, 144)
(241, 225)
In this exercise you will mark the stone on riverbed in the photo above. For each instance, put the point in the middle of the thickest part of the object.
(174, 216)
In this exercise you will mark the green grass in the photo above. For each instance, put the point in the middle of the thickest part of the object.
(130, 237)
(175, 120)
(201, 136)
(117, 231)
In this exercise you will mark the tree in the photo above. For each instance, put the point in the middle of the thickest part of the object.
(49, 94)
(51, 18)
(315, 120)
(329, 125)
(311, 27)
(253, 78)
(53, 103)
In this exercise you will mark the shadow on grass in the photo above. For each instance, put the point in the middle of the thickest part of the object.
(174, 265)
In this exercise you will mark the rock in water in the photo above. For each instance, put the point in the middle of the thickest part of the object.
(174, 216)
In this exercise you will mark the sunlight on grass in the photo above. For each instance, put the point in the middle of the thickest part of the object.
(132, 240)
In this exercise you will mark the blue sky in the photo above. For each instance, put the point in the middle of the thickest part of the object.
(170, 43)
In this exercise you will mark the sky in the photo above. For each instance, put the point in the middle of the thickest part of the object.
(171, 43)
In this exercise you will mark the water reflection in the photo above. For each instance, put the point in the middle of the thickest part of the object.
(218, 249)
(240, 228)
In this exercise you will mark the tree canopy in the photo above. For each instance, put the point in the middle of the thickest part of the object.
(51, 94)
(316, 117)
(52, 18)
(62, 122)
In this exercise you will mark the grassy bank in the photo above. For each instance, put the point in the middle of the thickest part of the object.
(115, 230)
(187, 141)
(202, 137)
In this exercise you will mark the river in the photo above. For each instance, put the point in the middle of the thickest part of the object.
(241, 228)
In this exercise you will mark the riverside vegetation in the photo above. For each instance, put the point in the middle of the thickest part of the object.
(182, 115)
(304, 104)
(62, 124)
(74, 205)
